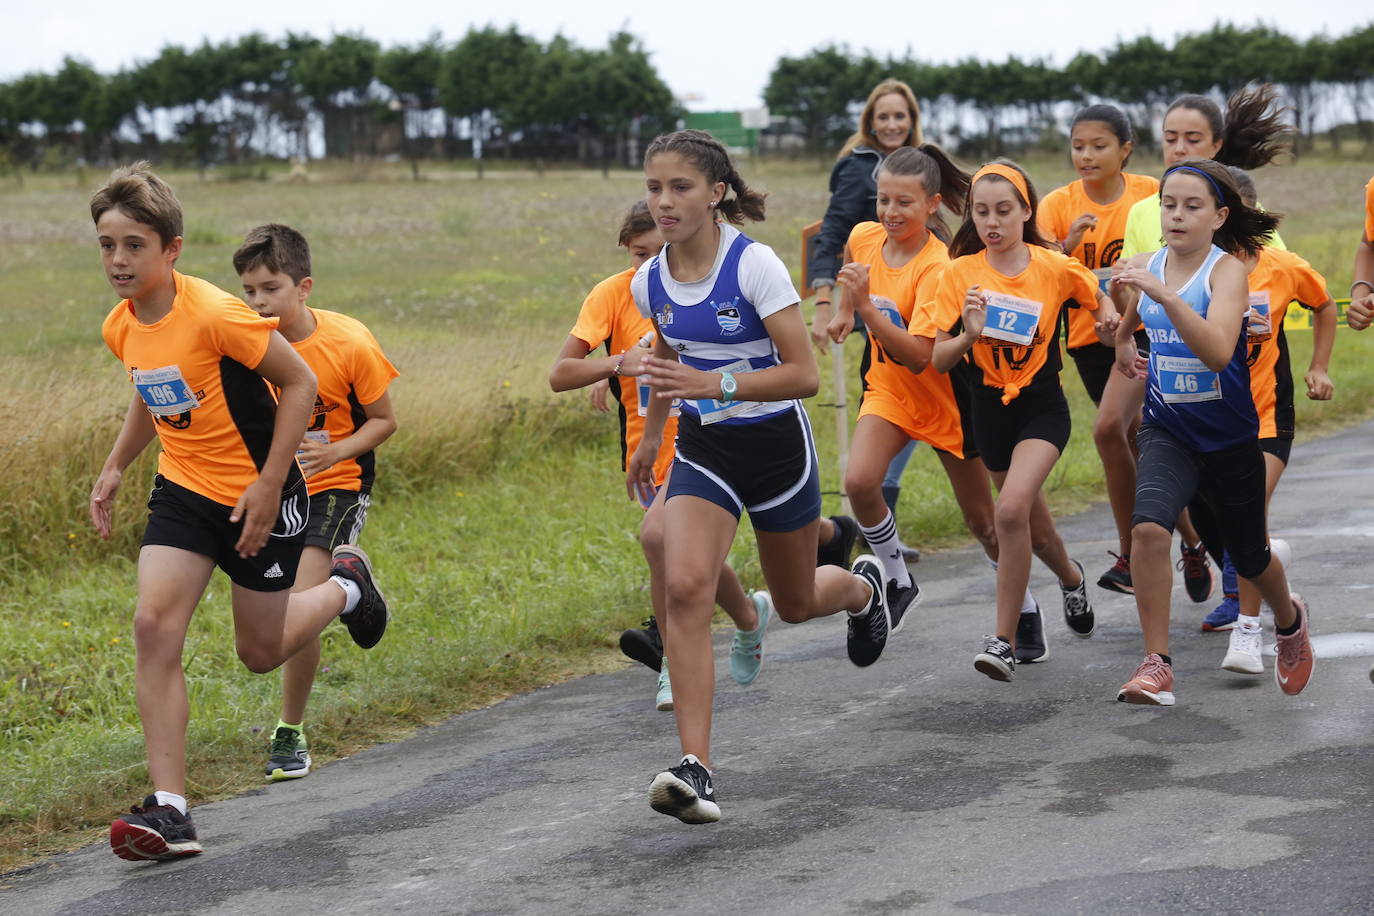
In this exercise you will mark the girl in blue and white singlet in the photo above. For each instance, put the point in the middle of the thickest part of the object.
(732, 345)
(1198, 441)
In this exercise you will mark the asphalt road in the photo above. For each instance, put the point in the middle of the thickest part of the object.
(917, 785)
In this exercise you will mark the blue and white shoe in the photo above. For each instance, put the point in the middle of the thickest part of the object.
(746, 652)
(1223, 616)
(663, 700)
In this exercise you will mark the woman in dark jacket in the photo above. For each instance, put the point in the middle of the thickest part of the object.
(891, 119)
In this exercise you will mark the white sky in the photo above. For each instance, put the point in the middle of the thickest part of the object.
(716, 56)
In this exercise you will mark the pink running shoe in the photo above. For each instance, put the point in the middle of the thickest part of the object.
(1296, 660)
(1151, 685)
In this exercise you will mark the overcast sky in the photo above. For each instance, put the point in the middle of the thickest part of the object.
(713, 56)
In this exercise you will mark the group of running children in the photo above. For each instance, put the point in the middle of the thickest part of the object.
(267, 439)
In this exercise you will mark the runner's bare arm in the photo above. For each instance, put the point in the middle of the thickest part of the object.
(138, 430)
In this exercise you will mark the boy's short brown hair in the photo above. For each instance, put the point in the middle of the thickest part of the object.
(143, 197)
(279, 248)
(636, 222)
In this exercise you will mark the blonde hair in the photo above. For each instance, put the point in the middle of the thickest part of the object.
(143, 197)
(864, 135)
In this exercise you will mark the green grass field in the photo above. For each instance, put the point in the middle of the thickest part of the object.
(499, 524)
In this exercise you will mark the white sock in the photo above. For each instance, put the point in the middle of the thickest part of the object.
(1248, 624)
(887, 546)
(352, 594)
(167, 798)
(1028, 605)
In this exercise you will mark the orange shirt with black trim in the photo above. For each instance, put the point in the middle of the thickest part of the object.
(1050, 281)
(1101, 246)
(610, 318)
(1369, 211)
(352, 372)
(193, 369)
(922, 406)
(1279, 278)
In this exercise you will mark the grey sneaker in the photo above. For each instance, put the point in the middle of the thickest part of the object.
(746, 652)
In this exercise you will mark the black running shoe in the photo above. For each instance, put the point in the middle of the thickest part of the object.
(837, 552)
(899, 601)
(367, 621)
(290, 757)
(1030, 639)
(1118, 578)
(868, 630)
(1197, 572)
(1078, 609)
(685, 792)
(153, 831)
(644, 646)
(996, 660)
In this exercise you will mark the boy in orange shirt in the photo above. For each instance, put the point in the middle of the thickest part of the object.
(228, 492)
(352, 417)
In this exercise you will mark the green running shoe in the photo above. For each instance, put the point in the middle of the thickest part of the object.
(290, 755)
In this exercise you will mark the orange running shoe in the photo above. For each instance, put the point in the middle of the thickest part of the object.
(1296, 658)
(1151, 685)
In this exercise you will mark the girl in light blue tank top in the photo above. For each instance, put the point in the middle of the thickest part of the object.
(1199, 444)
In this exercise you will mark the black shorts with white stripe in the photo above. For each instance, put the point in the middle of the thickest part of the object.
(336, 517)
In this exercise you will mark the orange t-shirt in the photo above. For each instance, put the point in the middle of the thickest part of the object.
(1025, 308)
(1279, 278)
(194, 370)
(1369, 210)
(352, 372)
(610, 317)
(923, 406)
(1100, 246)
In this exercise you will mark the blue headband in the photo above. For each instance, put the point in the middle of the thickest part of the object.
(1221, 198)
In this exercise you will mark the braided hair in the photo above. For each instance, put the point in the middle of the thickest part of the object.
(710, 157)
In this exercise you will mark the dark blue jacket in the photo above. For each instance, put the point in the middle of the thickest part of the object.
(853, 199)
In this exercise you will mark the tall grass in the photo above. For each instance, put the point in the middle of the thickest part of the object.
(499, 524)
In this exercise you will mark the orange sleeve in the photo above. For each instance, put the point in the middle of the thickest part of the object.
(922, 322)
(1369, 211)
(372, 371)
(1309, 287)
(239, 333)
(1052, 217)
(593, 325)
(1080, 284)
(946, 307)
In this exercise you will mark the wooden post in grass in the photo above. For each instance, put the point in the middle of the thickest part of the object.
(841, 404)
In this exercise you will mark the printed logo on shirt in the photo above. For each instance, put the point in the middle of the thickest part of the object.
(727, 316)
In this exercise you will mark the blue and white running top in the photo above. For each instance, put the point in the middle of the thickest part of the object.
(716, 323)
(1205, 410)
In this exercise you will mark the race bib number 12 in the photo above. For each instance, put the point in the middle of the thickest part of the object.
(164, 391)
(1011, 318)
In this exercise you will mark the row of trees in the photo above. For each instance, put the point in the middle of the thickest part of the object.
(503, 90)
(983, 104)
(256, 96)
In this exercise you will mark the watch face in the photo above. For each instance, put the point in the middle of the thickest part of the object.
(728, 384)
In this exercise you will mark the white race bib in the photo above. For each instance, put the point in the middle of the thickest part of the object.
(164, 391)
(1011, 318)
(1258, 323)
(889, 310)
(1185, 380)
(713, 411)
(645, 391)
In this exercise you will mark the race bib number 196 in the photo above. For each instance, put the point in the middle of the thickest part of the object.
(1011, 318)
(164, 391)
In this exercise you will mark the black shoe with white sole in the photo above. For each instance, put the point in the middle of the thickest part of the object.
(1078, 608)
(367, 621)
(837, 552)
(1030, 639)
(685, 792)
(996, 660)
(153, 831)
(899, 601)
(868, 630)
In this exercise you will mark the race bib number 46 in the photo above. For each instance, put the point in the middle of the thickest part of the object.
(1184, 380)
(164, 391)
(1011, 318)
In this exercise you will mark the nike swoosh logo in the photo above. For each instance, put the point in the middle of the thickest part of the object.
(710, 789)
(1282, 679)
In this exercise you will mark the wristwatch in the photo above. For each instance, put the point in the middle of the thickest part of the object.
(728, 386)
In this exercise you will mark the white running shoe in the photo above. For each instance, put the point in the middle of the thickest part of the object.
(1243, 655)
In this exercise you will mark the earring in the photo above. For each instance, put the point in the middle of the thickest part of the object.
(714, 202)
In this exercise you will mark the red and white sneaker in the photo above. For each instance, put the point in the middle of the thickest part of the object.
(153, 831)
(1151, 685)
(1296, 659)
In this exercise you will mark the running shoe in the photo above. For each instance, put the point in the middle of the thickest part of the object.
(837, 552)
(290, 757)
(1030, 639)
(367, 621)
(685, 792)
(996, 660)
(1197, 572)
(1243, 654)
(746, 652)
(909, 554)
(1296, 659)
(868, 630)
(644, 645)
(1078, 608)
(1151, 685)
(153, 831)
(663, 699)
(899, 601)
(1118, 578)
(1223, 616)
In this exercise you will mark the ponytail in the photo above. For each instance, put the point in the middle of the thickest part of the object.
(1252, 132)
(1247, 229)
(938, 174)
(710, 157)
